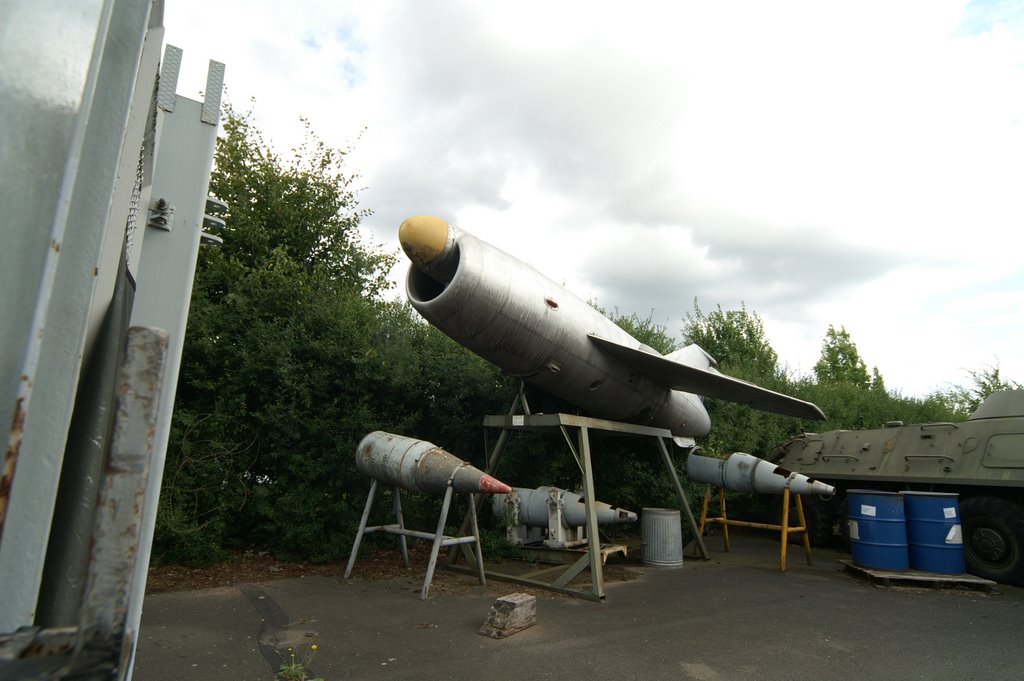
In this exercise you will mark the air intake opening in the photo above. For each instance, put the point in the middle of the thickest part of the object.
(422, 288)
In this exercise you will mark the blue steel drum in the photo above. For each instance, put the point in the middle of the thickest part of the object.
(934, 535)
(878, 532)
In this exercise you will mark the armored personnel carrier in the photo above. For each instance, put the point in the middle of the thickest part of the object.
(982, 459)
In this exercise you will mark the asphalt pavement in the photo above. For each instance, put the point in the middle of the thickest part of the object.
(732, 618)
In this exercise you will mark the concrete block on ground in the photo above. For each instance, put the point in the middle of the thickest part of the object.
(510, 614)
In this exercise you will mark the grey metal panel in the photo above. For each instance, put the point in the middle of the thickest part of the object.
(169, 71)
(64, 572)
(128, 206)
(182, 177)
(72, 103)
(542, 421)
(84, 280)
(211, 96)
(42, 94)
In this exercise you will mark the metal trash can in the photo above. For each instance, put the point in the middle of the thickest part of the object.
(662, 538)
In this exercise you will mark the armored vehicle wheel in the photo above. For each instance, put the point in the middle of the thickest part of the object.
(994, 538)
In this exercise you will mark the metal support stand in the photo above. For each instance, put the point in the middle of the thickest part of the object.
(581, 453)
(439, 538)
(784, 529)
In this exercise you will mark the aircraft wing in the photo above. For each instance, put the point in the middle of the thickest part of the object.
(708, 383)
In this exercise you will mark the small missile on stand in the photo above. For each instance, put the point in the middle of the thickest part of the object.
(741, 472)
(421, 466)
(534, 505)
(553, 515)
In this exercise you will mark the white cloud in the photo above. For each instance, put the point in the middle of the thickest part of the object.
(854, 164)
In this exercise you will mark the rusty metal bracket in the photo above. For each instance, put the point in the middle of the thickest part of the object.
(101, 645)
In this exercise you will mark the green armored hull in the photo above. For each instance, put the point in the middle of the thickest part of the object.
(981, 459)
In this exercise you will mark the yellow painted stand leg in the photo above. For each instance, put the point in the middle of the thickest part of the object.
(785, 529)
(803, 524)
(704, 510)
(703, 517)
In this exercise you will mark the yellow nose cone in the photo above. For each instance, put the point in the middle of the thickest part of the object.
(423, 238)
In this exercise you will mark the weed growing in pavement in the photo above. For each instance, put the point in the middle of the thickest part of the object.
(296, 668)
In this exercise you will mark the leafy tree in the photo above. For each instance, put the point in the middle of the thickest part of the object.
(282, 365)
(735, 338)
(853, 398)
(877, 383)
(452, 390)
(292, 355)
(840, 362)
(984, 382)
(646, 331)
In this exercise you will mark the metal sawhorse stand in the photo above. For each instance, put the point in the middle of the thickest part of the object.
(439, 538)
(512, 422)
(785, 529)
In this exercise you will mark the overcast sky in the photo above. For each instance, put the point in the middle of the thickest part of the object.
(859, 164)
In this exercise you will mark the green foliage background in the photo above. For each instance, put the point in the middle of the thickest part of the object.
(293, 354)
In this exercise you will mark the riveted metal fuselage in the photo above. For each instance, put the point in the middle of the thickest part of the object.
(534, 329)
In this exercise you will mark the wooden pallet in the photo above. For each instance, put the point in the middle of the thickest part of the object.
(919, 579)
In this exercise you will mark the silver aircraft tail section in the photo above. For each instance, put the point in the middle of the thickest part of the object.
(707, 382)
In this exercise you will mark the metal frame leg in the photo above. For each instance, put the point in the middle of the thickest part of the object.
(725, 518)
(684, 504)
(803, 523)
(492, 463)
(401, 523)
(362, 529)
(785, 528)
(438, 538)
(593, 538)
(475, 547)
